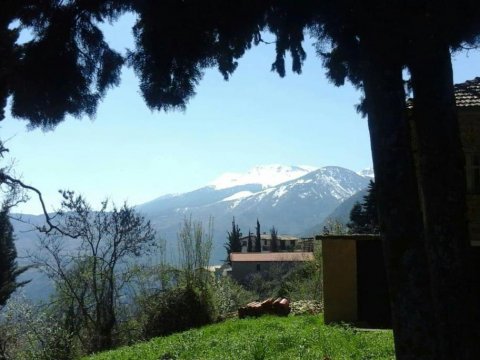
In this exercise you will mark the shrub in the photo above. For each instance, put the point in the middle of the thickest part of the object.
(304, 282)
(299, 282)
(177, 310)
(267, 283)
(228, 295)
(29, 333)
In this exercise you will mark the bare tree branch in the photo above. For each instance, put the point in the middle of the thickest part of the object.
(7, 179)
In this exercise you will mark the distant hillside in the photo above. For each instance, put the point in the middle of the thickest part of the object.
(26, 241)
(341, 213)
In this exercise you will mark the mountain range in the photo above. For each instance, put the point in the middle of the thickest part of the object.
(305, 198)
(295, 199)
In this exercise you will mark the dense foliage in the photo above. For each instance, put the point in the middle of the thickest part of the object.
(9, 269)
(364, 216)
(177, 310)
(91, 273)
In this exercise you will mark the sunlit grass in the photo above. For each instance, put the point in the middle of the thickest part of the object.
(300, 337)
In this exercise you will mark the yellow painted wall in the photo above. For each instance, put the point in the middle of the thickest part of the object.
(339, 280)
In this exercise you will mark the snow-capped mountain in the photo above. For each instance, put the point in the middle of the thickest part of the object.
(367, 172)
(265, 175)
(291, 206)
(295, 204)
(325, 183)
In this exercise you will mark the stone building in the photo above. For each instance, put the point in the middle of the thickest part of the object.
(245, 264)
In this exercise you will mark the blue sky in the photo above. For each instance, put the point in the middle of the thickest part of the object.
(130, 153)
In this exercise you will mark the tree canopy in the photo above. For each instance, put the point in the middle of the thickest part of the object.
(364, 216)
(175, 41)
(91, 274)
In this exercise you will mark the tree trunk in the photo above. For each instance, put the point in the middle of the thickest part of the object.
(442, 184)
(399, 211)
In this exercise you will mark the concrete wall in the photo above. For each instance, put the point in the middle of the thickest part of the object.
(339, 280)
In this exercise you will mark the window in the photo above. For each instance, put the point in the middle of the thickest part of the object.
(258, 267)
(473, 173)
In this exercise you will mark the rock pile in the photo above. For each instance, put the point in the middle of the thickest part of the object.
(280, 306)
(309, 307)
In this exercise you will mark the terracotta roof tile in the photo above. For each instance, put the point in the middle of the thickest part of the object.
(270, 257)
(467, 94)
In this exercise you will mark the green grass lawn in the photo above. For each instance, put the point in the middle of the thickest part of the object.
(295, 337)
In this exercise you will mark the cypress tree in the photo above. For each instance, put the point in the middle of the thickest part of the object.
(9, 270)
(249, 243)
(233, 240)
(274, 241)
(258, 238)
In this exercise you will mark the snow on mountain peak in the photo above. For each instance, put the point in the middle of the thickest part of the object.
(266, 175)
(367, 172)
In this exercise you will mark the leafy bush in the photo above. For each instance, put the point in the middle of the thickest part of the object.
(176, 310)
(299, 282)
(228, 295)
(267, 283)
(30, 333)
(303, 282)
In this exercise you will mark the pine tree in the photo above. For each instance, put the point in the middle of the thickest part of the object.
(371, 210)
(274, 240)
(258, 238)
(357, 219)
(233, 241)
(364, 217)
(9, 270)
